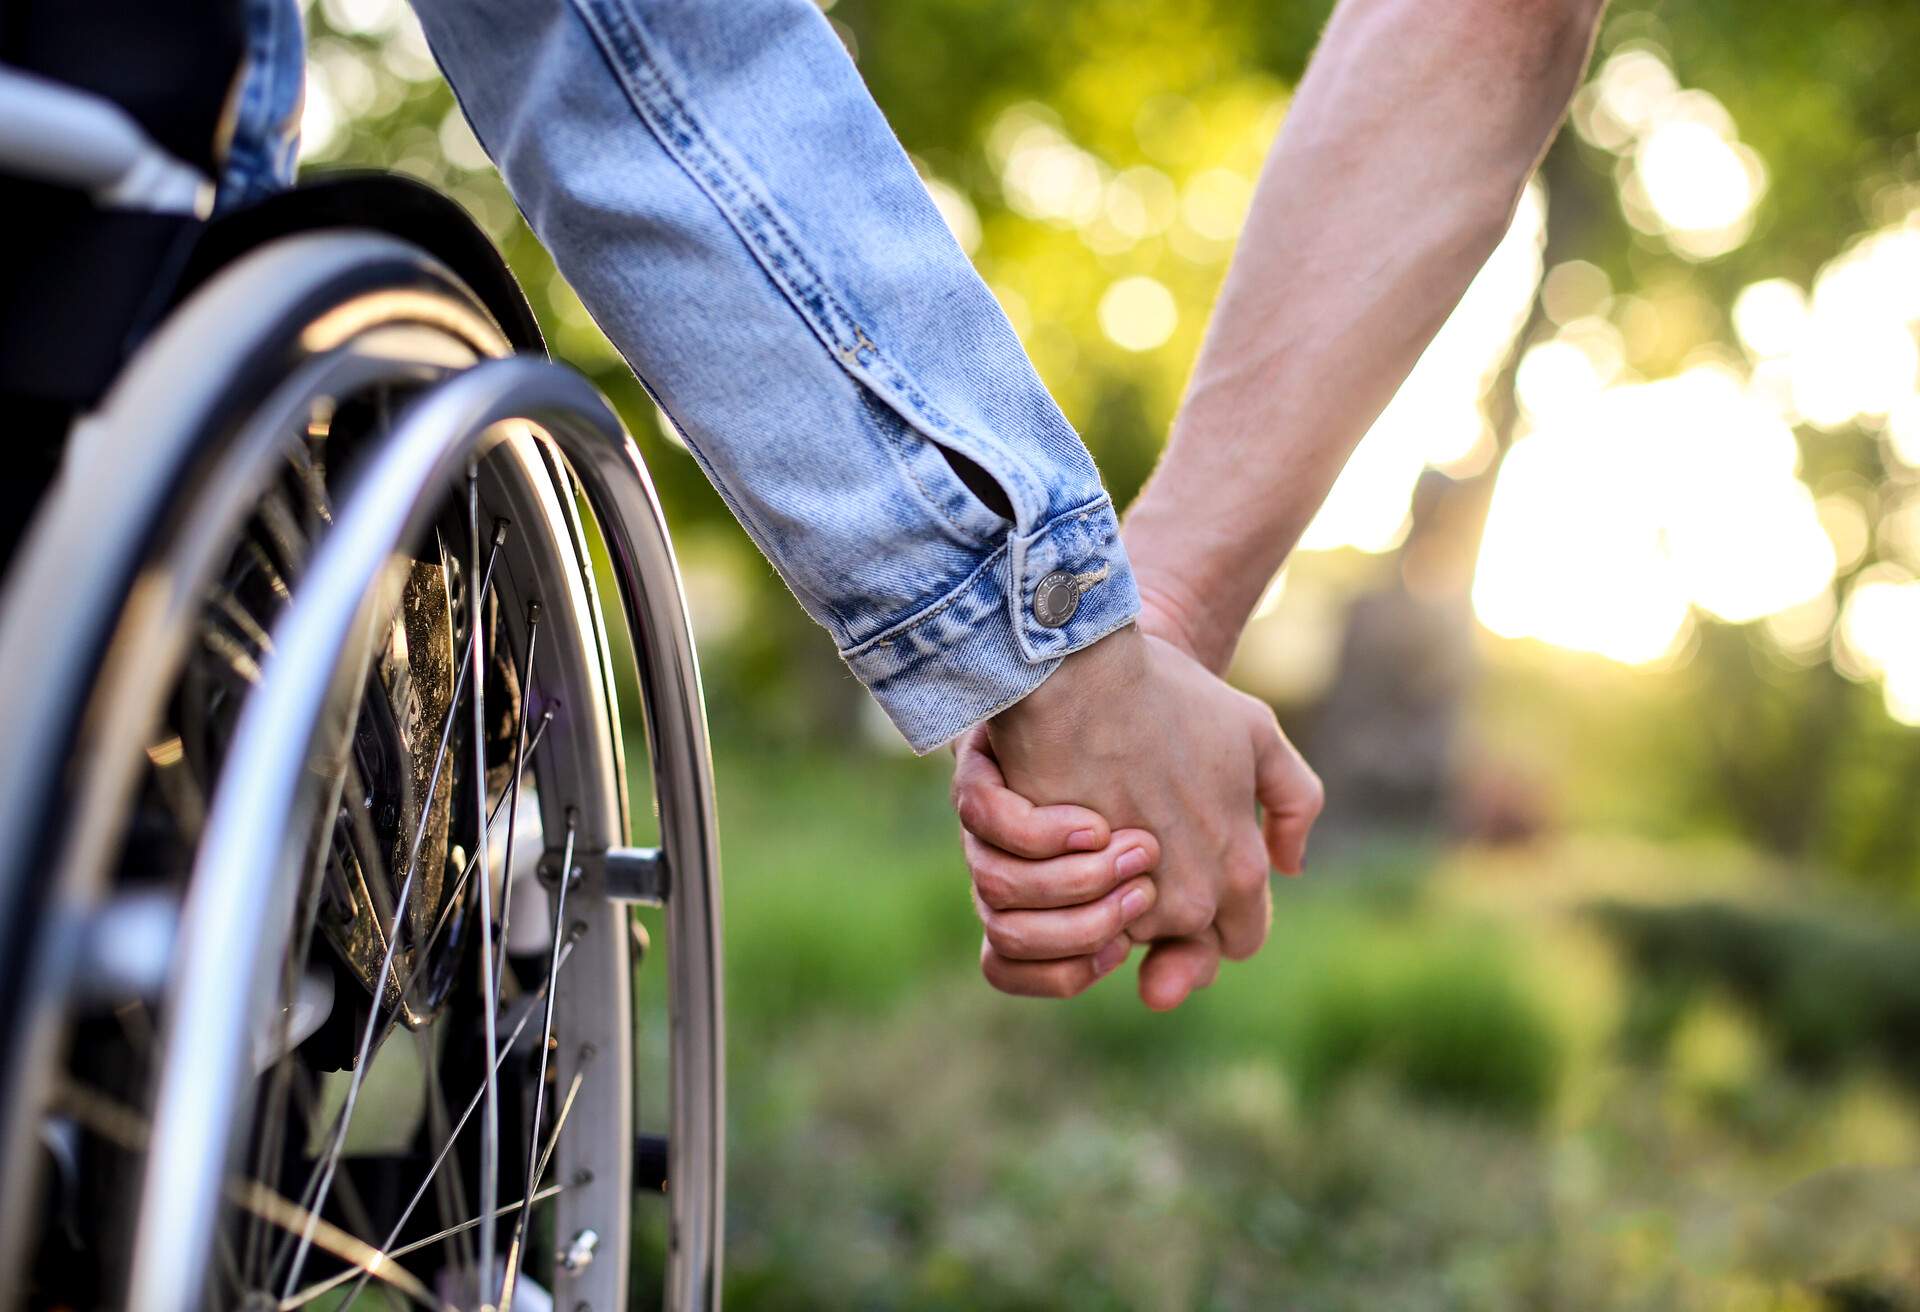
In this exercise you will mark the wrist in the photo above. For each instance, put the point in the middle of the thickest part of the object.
(1193, 619)
(1183, 599)
(1075, 689)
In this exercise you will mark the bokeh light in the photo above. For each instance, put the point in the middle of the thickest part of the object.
(1685, 174)
(1438, 416)
(1619, 513)
(1880, 635)
(1044, 174)
(1138, 313)
(1855, 354)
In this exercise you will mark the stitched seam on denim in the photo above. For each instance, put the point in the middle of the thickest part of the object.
(903, 459)
(1092, 638)
(921, 617)
(752, 215)
(1022, 695)
(761, 538)
(1018, 697)
(1082, 511)
(1051, 660)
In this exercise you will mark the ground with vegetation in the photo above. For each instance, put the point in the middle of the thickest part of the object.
(1569, 1075)
(1656, 1049)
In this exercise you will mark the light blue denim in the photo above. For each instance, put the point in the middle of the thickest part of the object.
(719, 188)
(266, 126)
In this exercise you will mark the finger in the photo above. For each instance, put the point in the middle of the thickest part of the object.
(994, 812)
(1011, 883)
(1069, 931)
(1291, 795)
(1246, 914)
(1051, 979)
(1175, 967)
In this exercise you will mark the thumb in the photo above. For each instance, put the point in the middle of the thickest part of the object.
(1290, 793)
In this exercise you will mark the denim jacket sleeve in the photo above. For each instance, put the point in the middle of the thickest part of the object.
(716, 183)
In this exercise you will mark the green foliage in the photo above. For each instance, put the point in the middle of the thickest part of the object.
(1389, 1107)
(852, 881)
(1736, 738)
(1829, 988)
(1350, 987)
(1451, 1022)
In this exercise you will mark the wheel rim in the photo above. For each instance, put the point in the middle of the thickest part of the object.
(232, 914)
(616, 488)
(189, 427)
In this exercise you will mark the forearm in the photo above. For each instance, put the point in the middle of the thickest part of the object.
(718, 186)
(1395, 175)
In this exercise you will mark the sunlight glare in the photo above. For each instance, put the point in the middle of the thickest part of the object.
(1687, 176)
(1044, 174)
(1858, 356)
(962, 220)
(1881, 629)
(1695, 179)
(1770, 317)
(1903, 431)
(1214, 203)
(1614, 517)
(1138, 313)
(1437, 416)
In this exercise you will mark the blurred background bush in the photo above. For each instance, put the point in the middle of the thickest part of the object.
(1604, 990)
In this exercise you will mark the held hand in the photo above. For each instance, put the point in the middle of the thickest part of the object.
(1137, 729)
(1054, 891)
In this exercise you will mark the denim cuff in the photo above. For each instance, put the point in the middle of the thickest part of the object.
(999, 634)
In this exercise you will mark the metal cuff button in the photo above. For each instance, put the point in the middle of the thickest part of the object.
(1056, 599)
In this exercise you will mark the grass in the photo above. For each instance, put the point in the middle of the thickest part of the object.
(1424, 1093)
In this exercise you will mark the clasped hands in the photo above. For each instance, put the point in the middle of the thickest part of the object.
(1133, 798)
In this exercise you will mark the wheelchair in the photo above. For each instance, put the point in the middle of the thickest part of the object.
(319, 954)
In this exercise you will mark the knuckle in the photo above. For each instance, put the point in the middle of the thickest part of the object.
(995, 889)
(1068, 979)
(1009, 940)
(1184, 915)
(1239, 947)
(1263, 714)
(1247, 875)
(971, 807)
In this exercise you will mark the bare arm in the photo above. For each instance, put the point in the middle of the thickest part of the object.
(1396, 174)
(1403, 154)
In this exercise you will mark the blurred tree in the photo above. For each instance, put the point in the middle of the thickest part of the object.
(1095, 157)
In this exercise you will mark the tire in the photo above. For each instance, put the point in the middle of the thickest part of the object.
(260, 803)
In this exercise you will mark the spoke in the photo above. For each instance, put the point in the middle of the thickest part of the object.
(128, 1129)
(330, 1163)
(533, 745)
(243, 622)
(459, 887)
(534, 1195)
(333, 1282)
(271, 1207)
(229, 1265)
(273, 1124)
(490, 1109)
(235, 657)
(449, 1188)
(453, 1136)
(540, 1082)
(513, 795)
(500, 1213)
(446, 915)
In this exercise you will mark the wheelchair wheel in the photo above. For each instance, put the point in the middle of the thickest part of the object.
(323, 957)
